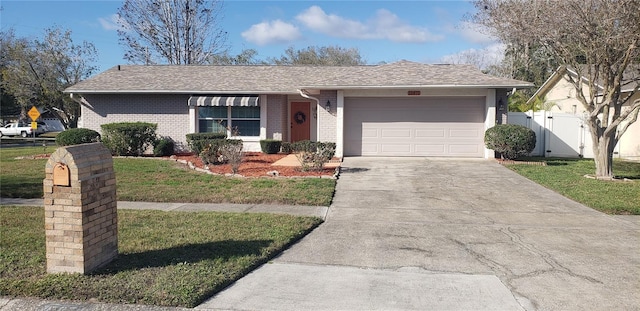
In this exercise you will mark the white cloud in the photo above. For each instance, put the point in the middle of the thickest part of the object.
(384, 25)
(110, 22)
(271, 32)
(475, 33)
(481, 58)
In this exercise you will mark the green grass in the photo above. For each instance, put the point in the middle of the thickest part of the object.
(166, 258)
(566, 176)
(143, 179)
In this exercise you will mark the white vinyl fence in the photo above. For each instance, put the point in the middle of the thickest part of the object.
(557, 134)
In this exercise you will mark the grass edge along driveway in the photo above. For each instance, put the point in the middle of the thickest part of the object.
(567, 177)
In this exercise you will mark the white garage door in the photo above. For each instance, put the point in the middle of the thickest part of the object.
(437, 127)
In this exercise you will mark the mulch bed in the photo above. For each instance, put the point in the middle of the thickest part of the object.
(509, 162)
(254, 164)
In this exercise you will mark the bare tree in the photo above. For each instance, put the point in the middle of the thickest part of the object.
(598, 39)
(179, 32)
(246, 57)
(323, 56)
(486, 59)
(37, 72)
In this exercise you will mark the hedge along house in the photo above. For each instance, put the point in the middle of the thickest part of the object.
(397, 109)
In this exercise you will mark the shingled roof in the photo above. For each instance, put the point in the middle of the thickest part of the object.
(285, 79)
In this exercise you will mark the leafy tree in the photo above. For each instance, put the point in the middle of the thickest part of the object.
(246, 57)
(8, 104)
(323, 56)
(178, 32)
(598, 39)
(37, 72)
(519, 102)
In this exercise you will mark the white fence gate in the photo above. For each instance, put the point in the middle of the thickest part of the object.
(557, 134)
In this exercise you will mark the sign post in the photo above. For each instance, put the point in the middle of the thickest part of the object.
(34, 114)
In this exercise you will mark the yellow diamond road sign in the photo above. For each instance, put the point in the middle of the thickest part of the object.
(34, 113)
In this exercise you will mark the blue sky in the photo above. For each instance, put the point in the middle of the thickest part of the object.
(422, 31)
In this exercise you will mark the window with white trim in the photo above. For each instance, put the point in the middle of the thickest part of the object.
(241, 119)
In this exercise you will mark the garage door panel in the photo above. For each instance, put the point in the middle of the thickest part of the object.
(395, 133)
(414, 127)
(370, 149)
(467, 133)
(394, 148)
(370, 133)
(430, 149)
(430, 133)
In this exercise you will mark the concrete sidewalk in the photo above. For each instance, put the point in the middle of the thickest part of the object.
(297, 210)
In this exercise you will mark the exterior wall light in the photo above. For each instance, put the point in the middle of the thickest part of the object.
(328, 105)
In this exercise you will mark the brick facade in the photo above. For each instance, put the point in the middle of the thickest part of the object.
(277, 117)
(327, 119)
(81, 220)
(170, 112)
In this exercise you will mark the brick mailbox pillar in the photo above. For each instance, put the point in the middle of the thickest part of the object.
(81, 220)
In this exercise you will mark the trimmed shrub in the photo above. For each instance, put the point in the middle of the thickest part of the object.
(198, 141)
(303, 146)
(77, 136)
(286, 147)
(510, 140)
(212, 154)
(314, 155)
(128, 138)
(231, 152)
(163, 147)
(270, 146)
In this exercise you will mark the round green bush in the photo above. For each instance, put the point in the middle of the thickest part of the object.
(77, 136)
(128, 138)
(163, 147)
(510, 140)
(270, 146)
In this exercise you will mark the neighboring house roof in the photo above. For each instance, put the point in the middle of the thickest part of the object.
(285, 79)
(630, 83)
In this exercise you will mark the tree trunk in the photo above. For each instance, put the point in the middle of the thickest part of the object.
(603, 157)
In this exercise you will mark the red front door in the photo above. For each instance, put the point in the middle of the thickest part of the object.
(300, 121)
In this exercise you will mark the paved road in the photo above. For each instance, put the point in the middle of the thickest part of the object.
(418, 234)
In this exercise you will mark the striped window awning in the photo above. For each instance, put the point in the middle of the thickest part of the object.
(246, 101)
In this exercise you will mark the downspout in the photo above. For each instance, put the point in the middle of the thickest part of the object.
(304, 94)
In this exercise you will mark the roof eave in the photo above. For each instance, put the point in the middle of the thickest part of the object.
(443, 86)
(178, 92)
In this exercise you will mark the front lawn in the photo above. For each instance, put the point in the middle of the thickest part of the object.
(566, 176)
(166, 258)
(143, 179)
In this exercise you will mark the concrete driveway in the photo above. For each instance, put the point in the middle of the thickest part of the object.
(441, 234)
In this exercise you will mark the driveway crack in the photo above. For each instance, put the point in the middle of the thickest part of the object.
(546, 257)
